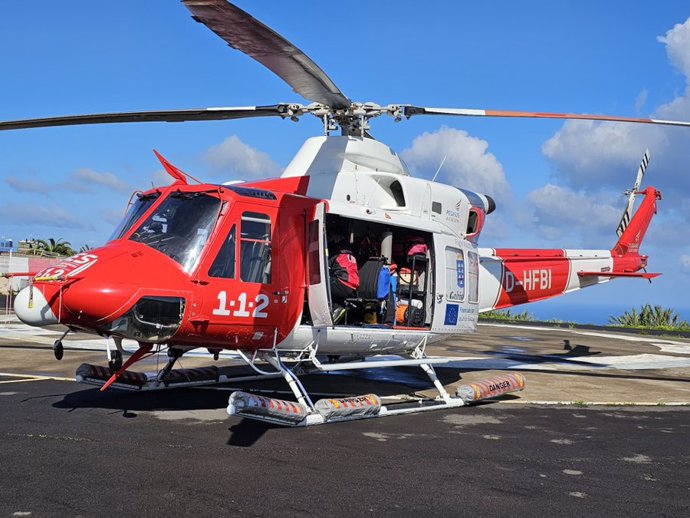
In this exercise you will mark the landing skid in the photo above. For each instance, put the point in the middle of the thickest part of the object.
(307, 413)
(175, 378)
(303, 411)
(281, 412)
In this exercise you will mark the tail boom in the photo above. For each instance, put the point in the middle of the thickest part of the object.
(509, 277)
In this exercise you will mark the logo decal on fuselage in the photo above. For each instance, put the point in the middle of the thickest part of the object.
(70, 267)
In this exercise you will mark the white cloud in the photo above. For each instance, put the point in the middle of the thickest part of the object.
(467, 165)
(160, 178)
(677, 41)
(40, 214)
(641, 100)
(595, 156)
(238, 160)
(598, 154)
(558, 211)
(669, 230)
(113, 216)
(84, 179)
(28, 184)
(592, 154)
(685, 263)
(498, 227)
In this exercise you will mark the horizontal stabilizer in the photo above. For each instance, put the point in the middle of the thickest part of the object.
(619, 274)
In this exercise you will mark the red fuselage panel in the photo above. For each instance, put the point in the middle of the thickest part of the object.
(530, 275)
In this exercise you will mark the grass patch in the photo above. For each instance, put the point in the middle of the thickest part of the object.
(507, 315)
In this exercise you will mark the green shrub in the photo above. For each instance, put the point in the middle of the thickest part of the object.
(650, 317)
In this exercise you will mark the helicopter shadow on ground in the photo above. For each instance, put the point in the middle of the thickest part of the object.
(131, 401)
(569, 356)
(129, 404)
(569, 353)
(523, 355)
(246, 432)
(382, 381)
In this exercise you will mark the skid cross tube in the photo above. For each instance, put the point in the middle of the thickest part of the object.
(420, 354)
(292, 380)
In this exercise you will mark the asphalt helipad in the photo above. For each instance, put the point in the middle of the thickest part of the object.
(562, 365)
(70, 450)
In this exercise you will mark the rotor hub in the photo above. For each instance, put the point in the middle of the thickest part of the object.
(353, 120)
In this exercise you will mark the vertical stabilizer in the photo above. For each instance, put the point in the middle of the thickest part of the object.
(632, 236)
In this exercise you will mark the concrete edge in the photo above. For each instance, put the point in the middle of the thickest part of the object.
(584, 404)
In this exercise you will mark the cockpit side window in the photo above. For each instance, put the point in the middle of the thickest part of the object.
(136, 209)
(224, 264)
(255, 248)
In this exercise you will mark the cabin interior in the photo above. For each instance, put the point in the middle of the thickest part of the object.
(401, 296)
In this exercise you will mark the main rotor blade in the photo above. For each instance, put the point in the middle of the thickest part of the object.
(201, 114)
(246, 34)
(409, 111)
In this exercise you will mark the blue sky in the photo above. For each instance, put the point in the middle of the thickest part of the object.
(558, 185)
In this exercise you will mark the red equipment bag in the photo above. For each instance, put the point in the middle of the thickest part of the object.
(416, 246)
(344, 267)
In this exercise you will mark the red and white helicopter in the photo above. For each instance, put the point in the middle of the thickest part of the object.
(245, 267)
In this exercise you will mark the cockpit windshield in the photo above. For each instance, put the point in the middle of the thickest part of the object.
(180, 226)
(140, 205)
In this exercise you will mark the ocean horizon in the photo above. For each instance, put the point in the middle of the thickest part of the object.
(597, 314)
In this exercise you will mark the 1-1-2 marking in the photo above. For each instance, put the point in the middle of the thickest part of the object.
(260, 300)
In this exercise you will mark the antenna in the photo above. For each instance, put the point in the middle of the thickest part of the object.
(439, 167)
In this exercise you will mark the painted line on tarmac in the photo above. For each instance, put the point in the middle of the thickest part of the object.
(23, 380)
(576, 364)
(33, 377)
(582, 404)
(602, 334)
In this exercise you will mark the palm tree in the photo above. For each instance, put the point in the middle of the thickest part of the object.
(54, 246)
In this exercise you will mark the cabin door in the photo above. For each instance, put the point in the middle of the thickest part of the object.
(244, 300)
(317, 269)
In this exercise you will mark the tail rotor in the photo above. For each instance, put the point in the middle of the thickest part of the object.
(631, 194)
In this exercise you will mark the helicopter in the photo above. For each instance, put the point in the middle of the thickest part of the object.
(248, 267)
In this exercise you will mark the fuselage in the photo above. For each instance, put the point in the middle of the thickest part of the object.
(246, 266)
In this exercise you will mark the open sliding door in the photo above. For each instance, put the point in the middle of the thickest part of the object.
(317, 269)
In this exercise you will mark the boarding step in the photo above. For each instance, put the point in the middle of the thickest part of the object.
(130, 380)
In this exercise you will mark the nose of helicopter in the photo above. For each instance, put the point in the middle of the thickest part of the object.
(125, 290)
(32, 308)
